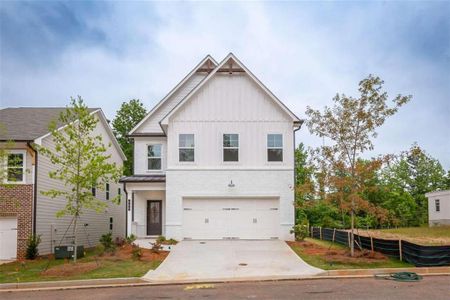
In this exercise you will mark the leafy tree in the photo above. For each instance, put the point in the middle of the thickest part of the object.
(81, 163)
(417, 173)
(350, 125)
(127, 117)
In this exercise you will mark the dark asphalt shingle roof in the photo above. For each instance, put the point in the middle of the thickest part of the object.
(27, 123)
(144, 178)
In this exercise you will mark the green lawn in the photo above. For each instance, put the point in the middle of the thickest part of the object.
(331, 256)
(438, 235)
(109, 268)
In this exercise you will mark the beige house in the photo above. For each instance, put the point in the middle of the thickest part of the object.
(438, 208)
(23, 209)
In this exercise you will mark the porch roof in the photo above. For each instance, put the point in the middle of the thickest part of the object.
(143, 178)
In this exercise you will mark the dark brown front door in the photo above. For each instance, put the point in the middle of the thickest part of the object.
(154, 216)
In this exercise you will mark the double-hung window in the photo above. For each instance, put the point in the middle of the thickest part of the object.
(154, 157)
(186, 147)
(274, 147)
(16, 167)
(231, 147)
(437, 205)
(107, 191)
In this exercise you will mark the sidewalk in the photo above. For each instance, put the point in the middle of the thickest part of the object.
(136, 281)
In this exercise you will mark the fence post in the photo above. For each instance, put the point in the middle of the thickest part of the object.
(348, 238)
(334, 234)
(321, 232)
(400, 249)
(371, 243)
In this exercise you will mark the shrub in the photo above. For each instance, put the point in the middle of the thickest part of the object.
(156, 247)
(119, 241)
(100, 249)
(130, 239)
(171, 242)
(107, 242)
(161, 239)
(300, 230)
(32, 246)
(136, 252)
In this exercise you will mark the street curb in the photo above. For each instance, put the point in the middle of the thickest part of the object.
(140, 281)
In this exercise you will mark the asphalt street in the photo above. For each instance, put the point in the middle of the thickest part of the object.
(431, 287)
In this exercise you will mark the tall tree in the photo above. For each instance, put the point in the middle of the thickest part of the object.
(416, 172)
(350, 125)
(128, 116)
(81, 163)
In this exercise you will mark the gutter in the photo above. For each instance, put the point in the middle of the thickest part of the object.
(35, 188)
(300, 123)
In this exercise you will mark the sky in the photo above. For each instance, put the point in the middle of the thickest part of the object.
(304, 52)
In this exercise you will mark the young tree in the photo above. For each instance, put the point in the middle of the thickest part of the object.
(351, 126)
(81, 163)
(128, 116)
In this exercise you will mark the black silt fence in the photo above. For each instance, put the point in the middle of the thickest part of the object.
(421, 256)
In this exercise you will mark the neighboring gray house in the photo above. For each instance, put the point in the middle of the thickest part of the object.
(23, 209)
(438, 208)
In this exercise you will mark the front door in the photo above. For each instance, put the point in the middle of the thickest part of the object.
(154, 217)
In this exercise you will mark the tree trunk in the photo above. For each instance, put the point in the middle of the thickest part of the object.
(352, 237)
(75, 239)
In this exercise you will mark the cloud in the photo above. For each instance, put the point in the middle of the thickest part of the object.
(304, 52)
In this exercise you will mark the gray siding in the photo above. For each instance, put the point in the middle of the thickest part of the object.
(52, 229)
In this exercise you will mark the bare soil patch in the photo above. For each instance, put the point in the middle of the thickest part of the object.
(70, 268)
(338, 254)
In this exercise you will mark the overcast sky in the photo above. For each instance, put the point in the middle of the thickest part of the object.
(305, 52)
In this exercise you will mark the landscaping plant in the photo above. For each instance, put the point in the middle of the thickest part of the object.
(136, 251)
(130, 239)
(107, 241)
(32, 246)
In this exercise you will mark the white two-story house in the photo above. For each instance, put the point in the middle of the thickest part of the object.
(214, 159)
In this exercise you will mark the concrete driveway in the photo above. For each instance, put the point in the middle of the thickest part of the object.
(228, 260)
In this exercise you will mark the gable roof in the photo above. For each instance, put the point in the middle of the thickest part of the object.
(28, 123)
(233, 61)
(31, 124)
(207, 60)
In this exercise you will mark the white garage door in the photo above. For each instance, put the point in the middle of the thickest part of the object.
(230, 218)
(8, 237)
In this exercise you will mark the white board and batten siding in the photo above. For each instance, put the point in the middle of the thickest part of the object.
(230, 104)
(52, 228)
(152, 124)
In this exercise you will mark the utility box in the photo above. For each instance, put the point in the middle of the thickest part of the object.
(68, 252)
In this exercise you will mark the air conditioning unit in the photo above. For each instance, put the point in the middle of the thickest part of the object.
(68, 252)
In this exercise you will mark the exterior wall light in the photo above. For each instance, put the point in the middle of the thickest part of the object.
(231, 184)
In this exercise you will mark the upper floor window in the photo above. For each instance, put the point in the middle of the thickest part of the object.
(119, 193)
(186, 147)
(275, 147)
(16, 167)
(154, 157)
(437, 205)
(231, 147)
(107, 191)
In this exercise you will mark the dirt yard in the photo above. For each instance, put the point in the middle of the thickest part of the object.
(330, 256)
(419, 235)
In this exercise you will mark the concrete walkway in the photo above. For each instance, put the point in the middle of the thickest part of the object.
(212, 260)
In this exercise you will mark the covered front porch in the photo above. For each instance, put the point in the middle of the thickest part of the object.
(146, 202)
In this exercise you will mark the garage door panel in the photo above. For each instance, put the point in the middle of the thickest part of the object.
(8, 238)
(230, 218)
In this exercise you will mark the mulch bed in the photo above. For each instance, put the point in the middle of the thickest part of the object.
(339, 255)
(121, 254)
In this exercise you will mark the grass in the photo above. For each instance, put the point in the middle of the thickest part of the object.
(30, 271)
(331, 256)
(438, 235)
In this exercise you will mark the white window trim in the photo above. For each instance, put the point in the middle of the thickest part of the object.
(282, 149)
(238, 148)
(179, 148)
(24, 167)
(161, 157)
